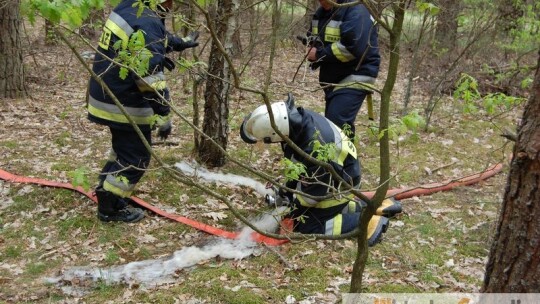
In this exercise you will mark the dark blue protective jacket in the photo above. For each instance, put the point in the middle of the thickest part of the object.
(304, 133)
(349, 41)
(135, 94)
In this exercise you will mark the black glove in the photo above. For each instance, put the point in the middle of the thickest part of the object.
(165, 130)
(190, 40)
(169, 64)
(302, 39)
(194, 35)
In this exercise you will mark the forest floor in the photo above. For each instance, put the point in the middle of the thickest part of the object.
(440, 243)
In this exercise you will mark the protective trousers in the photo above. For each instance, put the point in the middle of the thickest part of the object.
(127, 162)
(330, 221)
(342, 106)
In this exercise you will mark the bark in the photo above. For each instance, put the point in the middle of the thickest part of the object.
(514, 259)
(311, 7)
(218, 86)
(447, 24)
(384, 149)
(11, 56)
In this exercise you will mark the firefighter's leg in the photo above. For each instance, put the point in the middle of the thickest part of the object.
(343, 223)
(342, 107)
(132, 158)
(107, 167)
(110, 208)
(389, 207)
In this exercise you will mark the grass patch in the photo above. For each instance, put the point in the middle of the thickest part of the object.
(10, 144)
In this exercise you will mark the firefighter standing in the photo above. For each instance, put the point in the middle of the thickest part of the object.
(330, 209)
(344, 44)
(137, 93)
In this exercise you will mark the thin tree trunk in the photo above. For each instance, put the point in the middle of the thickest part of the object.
(447, 24)
(514, 259)
(384, 149)
(218, 86)
(11, 57)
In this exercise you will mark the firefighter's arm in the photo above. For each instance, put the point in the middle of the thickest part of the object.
(154, 79)
(179, 44)
(354, 38)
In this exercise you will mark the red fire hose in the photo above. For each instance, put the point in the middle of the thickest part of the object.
(397, 193)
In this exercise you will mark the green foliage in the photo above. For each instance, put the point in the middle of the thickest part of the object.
(185, 64)
(323, 152)
(494, 101)
(410, 122)
(141, 5)
(347, 130)
(71, 13)
(526, 34)
(79, 177)
(133, 55)
(426, 7)
(526, 83)
(292, 170)
(467, 92)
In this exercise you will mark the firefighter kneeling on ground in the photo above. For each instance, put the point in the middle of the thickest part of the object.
(337, 211)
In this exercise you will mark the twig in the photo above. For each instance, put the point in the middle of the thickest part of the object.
(280, 256)
(509, 134)
(46, 254)
(442, 167)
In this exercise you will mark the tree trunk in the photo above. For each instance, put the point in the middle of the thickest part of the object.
(11, 57)
(447, 24)
(218, 86)
(514, 259)
(311, 7)
(384, 148)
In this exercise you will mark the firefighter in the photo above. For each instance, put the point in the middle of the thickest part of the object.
(343, 42)
(330, 209)
(142, 97)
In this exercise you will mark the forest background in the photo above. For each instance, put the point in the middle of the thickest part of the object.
(465, 72)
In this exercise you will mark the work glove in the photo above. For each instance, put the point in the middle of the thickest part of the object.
(164, 126)
(165, 130)
(190, 40)
(302, 39)
(169, 64)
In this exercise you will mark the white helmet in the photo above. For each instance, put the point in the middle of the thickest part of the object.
(256, 126)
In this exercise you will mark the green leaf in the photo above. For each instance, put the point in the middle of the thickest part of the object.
(79, 178)
(292, 170)
(123, 73)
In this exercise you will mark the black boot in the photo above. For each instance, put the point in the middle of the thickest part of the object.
(111, 209)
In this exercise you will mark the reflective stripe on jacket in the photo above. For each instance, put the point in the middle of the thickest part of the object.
(350, 40)
(135, 92)
(345, 160)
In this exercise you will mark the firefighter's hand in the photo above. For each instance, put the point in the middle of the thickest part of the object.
(169, 64)
(190, 40)
(312, 54)
(164, 130)
(302, 39)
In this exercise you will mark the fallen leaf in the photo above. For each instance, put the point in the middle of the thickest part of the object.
(216, 216)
